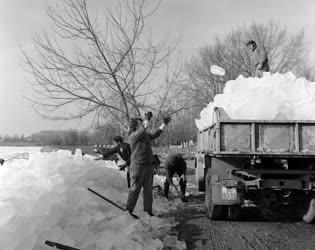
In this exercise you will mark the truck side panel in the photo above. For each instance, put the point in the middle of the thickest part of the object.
(307, 137)
(262, 137)
(236, 137)
(275, 138)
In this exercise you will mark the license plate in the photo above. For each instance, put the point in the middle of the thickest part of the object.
(229, 193)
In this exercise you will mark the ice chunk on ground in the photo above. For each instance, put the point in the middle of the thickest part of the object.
(46, 198)
(310, 215)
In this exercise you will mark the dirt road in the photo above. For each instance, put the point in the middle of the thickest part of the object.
(254, 230)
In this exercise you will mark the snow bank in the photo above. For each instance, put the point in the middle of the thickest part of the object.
(46, 198)
(277, 96)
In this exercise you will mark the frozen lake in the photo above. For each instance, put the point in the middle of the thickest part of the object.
(17, 153)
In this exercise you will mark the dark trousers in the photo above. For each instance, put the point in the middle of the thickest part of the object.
(140, 176)
(128, 179)
(182, 185)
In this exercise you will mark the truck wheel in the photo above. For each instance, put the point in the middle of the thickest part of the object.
(214, 212)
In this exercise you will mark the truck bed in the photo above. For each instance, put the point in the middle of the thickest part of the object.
(274, 138)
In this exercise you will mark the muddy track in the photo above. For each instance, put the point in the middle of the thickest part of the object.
(253, 231)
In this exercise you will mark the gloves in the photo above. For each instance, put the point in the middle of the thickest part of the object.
(148, 115)
(166, 119)
(122, 167)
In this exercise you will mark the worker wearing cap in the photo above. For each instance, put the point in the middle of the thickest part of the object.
(175, 164)
(141, 166)
(123, 150)
(260, 57)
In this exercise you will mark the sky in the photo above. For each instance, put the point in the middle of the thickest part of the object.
(198, 21)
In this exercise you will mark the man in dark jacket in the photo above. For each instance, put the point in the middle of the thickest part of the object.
(175, 163)
(123, 150)
(141, 167)
(260, 57)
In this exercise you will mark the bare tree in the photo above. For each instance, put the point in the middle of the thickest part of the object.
(285, 53)
(100, 66)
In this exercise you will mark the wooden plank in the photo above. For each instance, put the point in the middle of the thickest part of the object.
(236, 137)
(218, 137)
(297, 137)
(264, 154)
(253, 137)
(310, 122)
(275, 138)
(307, 137)
(276, 171)
(269, 121)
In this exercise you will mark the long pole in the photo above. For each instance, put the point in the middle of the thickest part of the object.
(108, 200)
(59, 246)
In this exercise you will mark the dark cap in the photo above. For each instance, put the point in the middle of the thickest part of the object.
(133, 124)
(117, 138)
(251, 42)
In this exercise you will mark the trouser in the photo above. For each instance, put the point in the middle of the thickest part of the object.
(140, 176)
(182, 185)
(264, 68)
(128, 179)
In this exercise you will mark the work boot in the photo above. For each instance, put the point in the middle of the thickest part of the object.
(133, 215)
(151, 214)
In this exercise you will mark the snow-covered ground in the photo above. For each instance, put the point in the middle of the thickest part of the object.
(275, 96)
(46, 198)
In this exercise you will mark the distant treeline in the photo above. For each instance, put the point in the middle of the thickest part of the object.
(72, 137)
(60, 138)
(181, 131)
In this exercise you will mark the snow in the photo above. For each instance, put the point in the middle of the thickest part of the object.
(274, 96)
(310, 215)
(46, 198)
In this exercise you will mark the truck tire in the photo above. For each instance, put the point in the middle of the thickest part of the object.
(214, 212)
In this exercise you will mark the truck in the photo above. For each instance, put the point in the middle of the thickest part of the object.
(262, 163)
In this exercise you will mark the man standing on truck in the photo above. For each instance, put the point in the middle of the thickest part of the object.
(123, 150)
(175, 163)
(260, 57)
(141, 167)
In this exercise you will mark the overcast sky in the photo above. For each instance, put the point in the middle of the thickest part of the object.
(198, 21)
